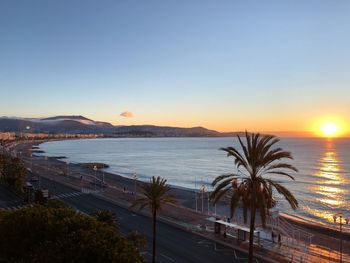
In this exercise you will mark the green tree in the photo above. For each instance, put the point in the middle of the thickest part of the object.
(13, 172)
(155, 195)
(42, 234)
(258, 162)
(107, 217)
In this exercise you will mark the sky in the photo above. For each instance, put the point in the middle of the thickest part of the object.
(225, 65)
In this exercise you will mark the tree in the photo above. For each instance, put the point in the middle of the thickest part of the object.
(13, 172)
(107, 217)
(252, 185)
(43, 234)
(155, 195)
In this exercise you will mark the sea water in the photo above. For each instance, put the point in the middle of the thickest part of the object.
(322, 184)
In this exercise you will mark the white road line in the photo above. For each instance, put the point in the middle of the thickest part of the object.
(168, 258)
(66, 195)
(209, 243)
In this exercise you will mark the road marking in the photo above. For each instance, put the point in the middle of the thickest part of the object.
(168, 258)
(71, 194)
(66, 195)
(206, 242)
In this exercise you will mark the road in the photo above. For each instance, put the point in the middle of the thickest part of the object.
(173, 244)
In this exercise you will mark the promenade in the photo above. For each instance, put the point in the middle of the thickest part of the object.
(122, 193)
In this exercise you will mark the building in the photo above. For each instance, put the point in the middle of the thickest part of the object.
(7, 136)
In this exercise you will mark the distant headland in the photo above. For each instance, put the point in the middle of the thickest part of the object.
(81, 127)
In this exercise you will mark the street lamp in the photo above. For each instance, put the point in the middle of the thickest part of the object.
(340, 216)
(135, 181)
(95, 169)
(103, 175)
(204, 190)
(195, 192)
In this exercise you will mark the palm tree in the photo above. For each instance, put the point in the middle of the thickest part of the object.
(155, 195)
(252, 184)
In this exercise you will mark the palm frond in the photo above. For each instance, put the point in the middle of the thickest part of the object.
(222, 177)
(259, 156)
(155, 194)
(234, 202)
(280, 166)
(285, 192)
(216, 195)
(281, 173)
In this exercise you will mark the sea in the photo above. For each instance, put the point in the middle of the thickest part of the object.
(321, 185)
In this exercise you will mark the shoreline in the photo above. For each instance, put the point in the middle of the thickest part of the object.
(185, 196)
(189, 193)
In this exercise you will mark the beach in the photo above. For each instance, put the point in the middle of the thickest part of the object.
(123, 190)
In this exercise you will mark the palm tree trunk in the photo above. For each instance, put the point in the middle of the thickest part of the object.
(252, 225)
(154, 235)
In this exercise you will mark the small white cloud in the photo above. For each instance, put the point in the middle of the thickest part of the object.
(127, 114)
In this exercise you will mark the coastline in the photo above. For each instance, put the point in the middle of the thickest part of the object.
(184, 196)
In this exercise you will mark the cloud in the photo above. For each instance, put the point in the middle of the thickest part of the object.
(127, 114)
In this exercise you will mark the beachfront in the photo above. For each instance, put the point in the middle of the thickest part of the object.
(298, 241)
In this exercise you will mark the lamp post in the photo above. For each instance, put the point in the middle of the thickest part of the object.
(195, 192)
(95, 169)
(203, 190)
(67, 162)
(340, 216)
(135, 181)
(103, 176)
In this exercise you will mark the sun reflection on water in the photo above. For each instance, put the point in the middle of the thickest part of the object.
(328, 185)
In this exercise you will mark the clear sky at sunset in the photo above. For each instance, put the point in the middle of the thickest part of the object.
(226, 65)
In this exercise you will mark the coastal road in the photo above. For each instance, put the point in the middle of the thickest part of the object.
(173, 244)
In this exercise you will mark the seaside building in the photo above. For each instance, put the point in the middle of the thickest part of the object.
(41, 136)
(7, 136)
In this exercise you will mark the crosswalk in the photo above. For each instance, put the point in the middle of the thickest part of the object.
(16, 207)
(75, 194)
(67, 195)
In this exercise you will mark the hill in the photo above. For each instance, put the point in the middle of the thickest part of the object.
(82, 125)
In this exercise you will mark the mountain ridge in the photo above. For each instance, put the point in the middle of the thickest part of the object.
(78, 124)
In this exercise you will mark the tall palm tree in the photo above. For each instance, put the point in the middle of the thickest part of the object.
(155, 195)
(252, 184)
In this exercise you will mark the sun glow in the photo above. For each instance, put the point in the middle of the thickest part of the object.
(329, 129)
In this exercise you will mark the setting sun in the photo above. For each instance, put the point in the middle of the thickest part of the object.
(329, 129)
